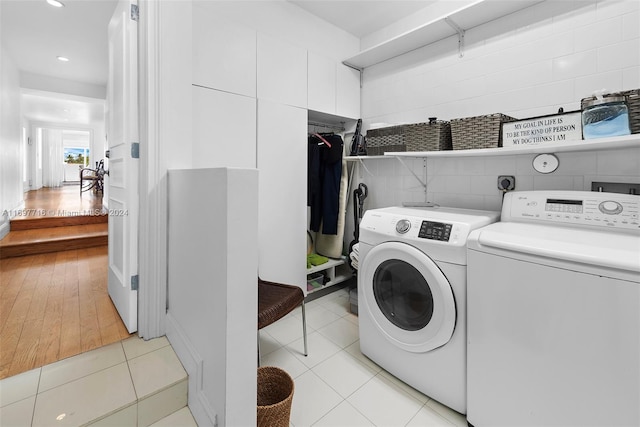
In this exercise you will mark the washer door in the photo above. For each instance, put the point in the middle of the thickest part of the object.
(407, 296)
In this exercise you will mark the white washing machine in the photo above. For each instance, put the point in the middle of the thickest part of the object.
(411, 296)
(554, 312)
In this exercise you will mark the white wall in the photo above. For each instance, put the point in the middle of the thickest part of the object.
(527, 64)
(10, 157)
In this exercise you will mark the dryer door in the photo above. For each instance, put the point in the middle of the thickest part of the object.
(408, 297)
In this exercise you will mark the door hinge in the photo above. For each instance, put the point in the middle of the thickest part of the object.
(135, 12)
(135, 150)
(134, 283)
(107, 153)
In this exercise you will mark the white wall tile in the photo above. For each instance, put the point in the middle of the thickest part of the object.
(612, 81)
(500, 165)
(619, 162)
(608, 8)
(631, 78)
(622, 55)
(493, 203)
(525, 65)
(578, 64)
(631, 25)
(552, 182)
(601, 33)
(576, 163)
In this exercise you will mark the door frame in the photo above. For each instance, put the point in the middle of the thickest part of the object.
(152, 229)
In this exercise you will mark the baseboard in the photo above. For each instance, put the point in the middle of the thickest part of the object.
(199, 405)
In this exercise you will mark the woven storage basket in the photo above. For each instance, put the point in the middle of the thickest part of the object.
(432, 136)
(275, 394)
(478, 131)
(633, 103)
(389, 139)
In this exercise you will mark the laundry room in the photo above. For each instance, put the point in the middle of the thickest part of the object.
(410, 185)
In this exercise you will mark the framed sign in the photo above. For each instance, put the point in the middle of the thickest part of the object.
(539, 130)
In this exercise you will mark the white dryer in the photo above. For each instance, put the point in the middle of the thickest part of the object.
(411, 296)
(554, 312)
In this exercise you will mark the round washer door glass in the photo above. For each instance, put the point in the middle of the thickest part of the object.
(403, 295)
(407, 297)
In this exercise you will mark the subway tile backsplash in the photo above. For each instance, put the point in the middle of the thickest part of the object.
(524, 65)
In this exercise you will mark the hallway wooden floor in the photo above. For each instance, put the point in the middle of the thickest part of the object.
(55, 305)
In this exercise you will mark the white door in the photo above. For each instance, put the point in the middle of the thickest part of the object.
(122, 181)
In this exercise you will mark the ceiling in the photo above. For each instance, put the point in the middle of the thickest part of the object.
(362, 17)
(35, 33)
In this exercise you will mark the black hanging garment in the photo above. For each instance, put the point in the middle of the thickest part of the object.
(323, 181)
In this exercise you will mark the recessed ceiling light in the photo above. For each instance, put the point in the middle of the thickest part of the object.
(55, 3)
(63, 58)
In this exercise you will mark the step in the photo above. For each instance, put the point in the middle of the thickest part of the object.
(53, 239)
(35, 222)
(128, 383)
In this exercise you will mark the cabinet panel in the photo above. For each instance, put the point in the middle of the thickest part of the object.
(348, 92)
(224, 54)
(321, 84)
(224, 129)
(282, 72)
(282, 166)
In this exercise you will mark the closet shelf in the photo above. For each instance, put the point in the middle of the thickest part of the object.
(469, 16)
(620, 142)
(327, 265)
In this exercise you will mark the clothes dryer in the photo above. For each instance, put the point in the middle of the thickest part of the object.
(554, 312)
(412, 296)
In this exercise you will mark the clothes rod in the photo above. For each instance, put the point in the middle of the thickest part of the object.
(339, 128)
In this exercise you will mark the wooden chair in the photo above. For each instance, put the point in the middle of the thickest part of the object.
(276, 300)
(92, 179)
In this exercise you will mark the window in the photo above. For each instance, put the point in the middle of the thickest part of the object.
(76, 155)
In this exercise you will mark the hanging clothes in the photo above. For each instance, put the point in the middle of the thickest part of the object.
(323, 181)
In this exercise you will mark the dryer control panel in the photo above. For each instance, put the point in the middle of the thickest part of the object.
(579, 208)
(435, 231)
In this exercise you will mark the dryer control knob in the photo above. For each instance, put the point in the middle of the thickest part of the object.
(403, 226)
(610, 207)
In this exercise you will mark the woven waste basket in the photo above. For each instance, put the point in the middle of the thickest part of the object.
(432, 136)
(478, 131)
(389, 139)
(633, 103)
(275, 394)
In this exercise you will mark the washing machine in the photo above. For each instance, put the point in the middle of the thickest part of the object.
(554, 312)
(412, 296)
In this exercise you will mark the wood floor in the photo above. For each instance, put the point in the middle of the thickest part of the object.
(55, 305)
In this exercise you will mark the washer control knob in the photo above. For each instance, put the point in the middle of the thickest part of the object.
(610, 207)
(403, 226)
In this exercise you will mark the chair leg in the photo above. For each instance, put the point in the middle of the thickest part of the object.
(304, 329)
(258, 347)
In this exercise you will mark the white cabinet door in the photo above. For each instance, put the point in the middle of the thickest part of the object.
(282, 189)
(224, 54)
(282, 72)
(348, 92)
(321, 83)
(224, 129)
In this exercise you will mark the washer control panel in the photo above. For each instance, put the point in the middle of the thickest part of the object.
(596, 209)
(435, 231)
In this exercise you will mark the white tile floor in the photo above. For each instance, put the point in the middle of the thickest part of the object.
(336, 385)
(129, 383)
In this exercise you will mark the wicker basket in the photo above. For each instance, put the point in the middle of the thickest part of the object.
(633, 103)
(275, 394)
(389, 139)
(479, 131)
(432, 136)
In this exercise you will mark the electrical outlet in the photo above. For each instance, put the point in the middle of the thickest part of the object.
(506, 182)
